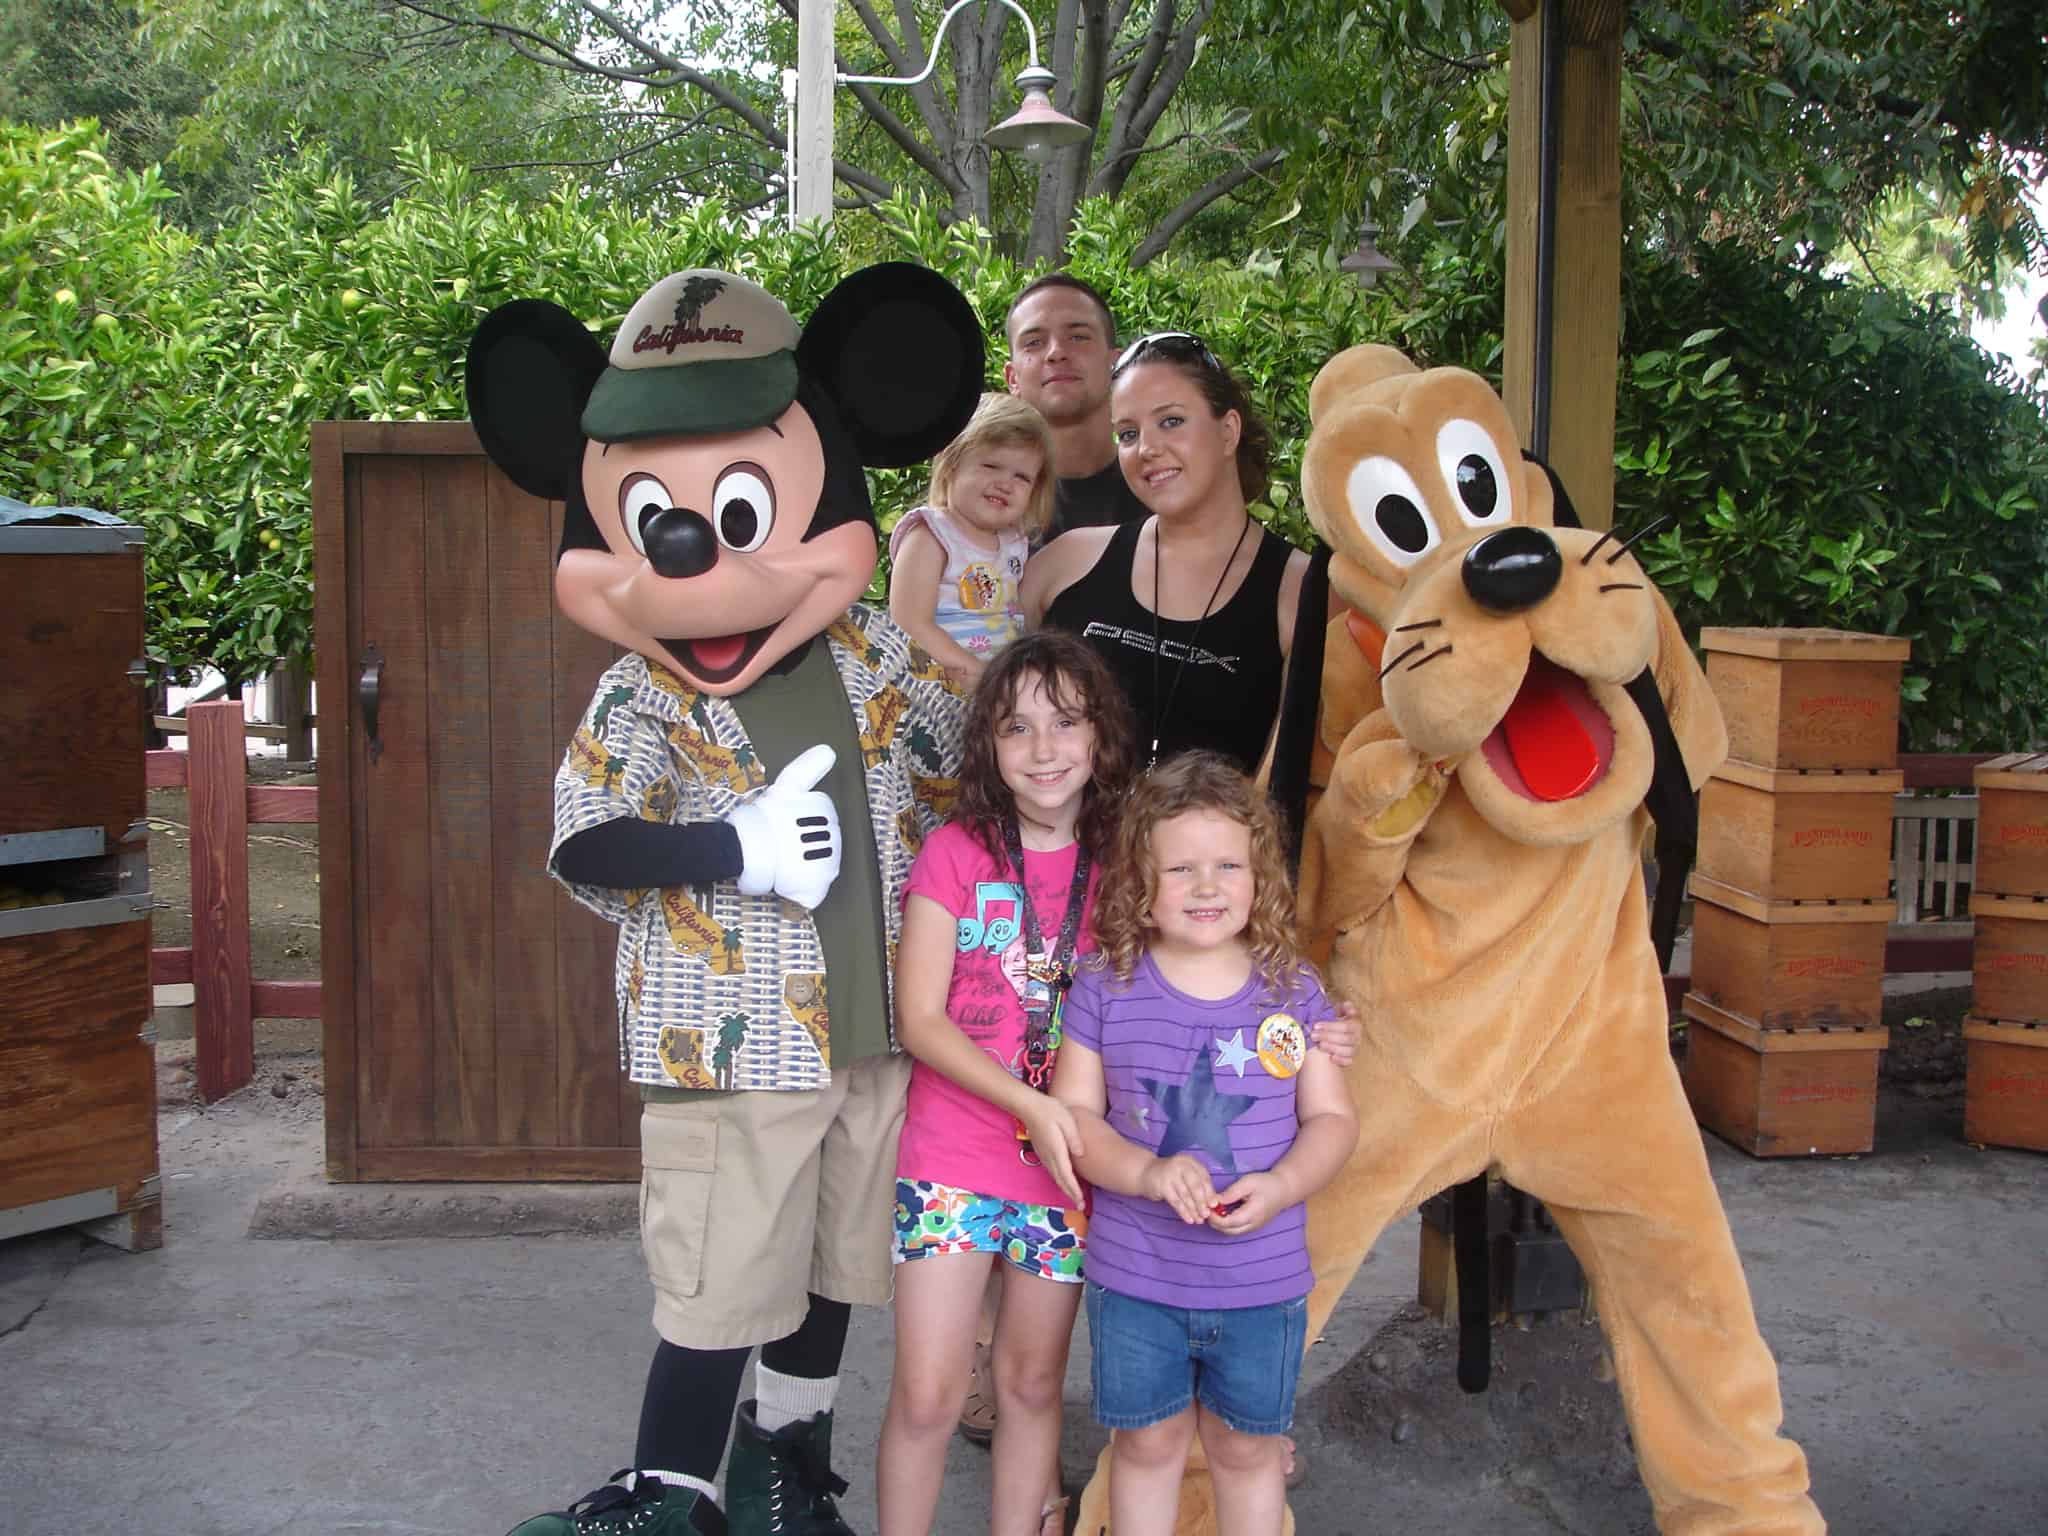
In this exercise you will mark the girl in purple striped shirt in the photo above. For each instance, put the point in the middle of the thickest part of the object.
(1206, 1120)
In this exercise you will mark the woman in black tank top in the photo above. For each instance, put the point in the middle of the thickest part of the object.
(1195, 454)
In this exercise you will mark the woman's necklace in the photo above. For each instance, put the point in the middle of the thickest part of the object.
(1163, 711)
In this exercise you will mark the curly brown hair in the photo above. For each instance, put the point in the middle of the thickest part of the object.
(1196, 781)
(1077, 679)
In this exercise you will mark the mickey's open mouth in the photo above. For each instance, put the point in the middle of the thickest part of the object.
(718, 658)
(1554, 743)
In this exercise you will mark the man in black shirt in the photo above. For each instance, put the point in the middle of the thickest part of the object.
(1062, 341)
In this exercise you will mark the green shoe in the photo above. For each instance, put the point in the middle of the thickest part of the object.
(782, 1484)
(648, 1508)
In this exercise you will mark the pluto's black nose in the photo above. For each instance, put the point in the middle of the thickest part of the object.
(1511, 570)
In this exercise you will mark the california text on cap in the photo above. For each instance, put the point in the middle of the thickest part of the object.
(700, 352)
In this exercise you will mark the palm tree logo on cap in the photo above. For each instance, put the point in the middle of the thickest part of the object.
(695, 294)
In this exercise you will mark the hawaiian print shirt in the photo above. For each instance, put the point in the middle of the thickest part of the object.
(716, 989)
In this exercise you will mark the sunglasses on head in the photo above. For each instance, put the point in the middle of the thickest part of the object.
(1185, 345)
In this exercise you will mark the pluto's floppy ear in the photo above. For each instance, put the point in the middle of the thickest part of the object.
(1690, 739)
(900, 353)
(1696, 724)
(1301, 696)
(531, 367)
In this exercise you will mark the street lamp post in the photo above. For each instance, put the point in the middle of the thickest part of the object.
(1035, 130)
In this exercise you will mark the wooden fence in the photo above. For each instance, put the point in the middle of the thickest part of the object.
(226, 999)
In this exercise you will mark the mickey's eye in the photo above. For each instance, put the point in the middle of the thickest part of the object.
(641, 499)
(743, 507)
(1472, 468)
(1390, 510)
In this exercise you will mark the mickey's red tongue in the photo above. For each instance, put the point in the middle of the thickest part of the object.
(718, 654)
(1551, 747)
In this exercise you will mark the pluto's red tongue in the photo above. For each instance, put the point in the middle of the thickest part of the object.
(1555, 754)
(716, 655)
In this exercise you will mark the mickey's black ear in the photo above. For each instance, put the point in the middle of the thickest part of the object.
(899, 350)
(531, 367)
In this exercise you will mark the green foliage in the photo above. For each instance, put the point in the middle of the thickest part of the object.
(1834, 456)
(67, 59)
(1838, 457)
(104, 319)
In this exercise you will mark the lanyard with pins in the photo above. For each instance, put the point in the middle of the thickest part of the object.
(1046, 979)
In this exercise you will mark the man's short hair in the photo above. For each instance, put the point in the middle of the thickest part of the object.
(1064, 280)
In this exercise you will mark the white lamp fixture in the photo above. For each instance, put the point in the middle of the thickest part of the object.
(1037, 130)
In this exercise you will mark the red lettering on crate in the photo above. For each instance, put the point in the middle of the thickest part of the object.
(1847, 703)
(1827, 965)
(1821, 1093)
(1831, 837)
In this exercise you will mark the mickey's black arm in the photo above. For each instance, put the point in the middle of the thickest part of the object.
(632, 854)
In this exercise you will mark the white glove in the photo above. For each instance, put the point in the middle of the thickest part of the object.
(789, 833)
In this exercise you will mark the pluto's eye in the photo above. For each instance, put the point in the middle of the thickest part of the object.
(641, 499)
(1472, 468)
(1388, 507)
(743, 507)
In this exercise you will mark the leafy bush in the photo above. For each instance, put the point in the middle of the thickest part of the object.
(1838, 457)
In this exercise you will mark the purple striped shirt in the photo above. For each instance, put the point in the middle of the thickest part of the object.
(1183, 1074)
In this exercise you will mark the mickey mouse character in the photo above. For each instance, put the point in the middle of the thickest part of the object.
(743, 798)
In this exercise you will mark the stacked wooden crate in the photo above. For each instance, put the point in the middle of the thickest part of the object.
(2006, 1037)
(78, 1141)
(1791, 891)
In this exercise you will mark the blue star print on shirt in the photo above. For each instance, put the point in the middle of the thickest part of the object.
(1197, 1116)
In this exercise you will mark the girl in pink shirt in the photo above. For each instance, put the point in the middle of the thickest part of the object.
(995, 914)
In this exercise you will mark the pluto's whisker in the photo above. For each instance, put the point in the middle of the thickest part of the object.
(1623, 586)
(1594, 548)
(1418, 645)
(1419, 624)
(1643, 532)
(1432, 656)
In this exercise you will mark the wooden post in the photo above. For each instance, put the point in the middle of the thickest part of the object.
(224, 1036)
(291, 694)
(1584, 302)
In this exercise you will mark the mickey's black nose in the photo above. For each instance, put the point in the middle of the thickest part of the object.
(679, 542)
(1514, 569)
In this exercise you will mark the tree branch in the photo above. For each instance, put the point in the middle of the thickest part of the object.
(1146, 94)
(664, 72)
(1228, 182)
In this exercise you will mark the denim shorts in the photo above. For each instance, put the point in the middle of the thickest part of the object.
(1151, 1361)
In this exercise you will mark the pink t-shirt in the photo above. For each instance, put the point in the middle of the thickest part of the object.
(951, 1136)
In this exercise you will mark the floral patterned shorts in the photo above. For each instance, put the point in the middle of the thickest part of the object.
(1043, 1240)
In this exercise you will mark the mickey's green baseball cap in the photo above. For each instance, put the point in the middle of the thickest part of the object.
(701, 351)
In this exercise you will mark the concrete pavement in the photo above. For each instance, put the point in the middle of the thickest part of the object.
(449, 1385)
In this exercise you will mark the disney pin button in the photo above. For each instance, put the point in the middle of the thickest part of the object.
(1283, 1046)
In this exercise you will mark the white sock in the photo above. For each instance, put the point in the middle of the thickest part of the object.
(780, 1400)
(676, 1480)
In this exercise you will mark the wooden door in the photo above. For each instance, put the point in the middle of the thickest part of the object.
(466, 1001)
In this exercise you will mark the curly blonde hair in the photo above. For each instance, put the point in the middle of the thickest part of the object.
(1000, 421)
(1196, 781)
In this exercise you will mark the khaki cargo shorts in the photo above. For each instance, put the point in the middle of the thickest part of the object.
(750, 1201)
